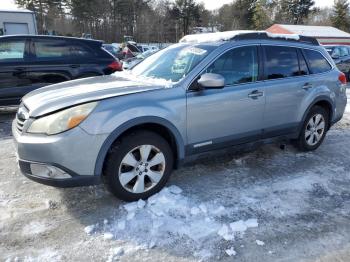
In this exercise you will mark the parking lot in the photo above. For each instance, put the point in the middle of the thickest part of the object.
(266, 205)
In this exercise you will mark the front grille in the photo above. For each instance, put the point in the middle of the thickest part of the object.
(21, 117)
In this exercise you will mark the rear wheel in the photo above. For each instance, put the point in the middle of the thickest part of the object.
(314, 129)
(138, 166)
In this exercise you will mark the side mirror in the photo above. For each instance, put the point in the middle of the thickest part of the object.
(211, 81)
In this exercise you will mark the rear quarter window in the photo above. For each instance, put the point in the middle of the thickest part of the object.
(79, 50)
(317, 62)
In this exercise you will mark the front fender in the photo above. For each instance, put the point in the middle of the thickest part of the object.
(134, 122)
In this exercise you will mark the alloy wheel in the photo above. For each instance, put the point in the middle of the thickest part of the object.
(141, 169)
(315, 129)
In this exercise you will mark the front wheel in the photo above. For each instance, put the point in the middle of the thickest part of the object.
(314, 129)
(138, 166)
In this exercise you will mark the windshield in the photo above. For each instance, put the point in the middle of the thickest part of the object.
(173, 63)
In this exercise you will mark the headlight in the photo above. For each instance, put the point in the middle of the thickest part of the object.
(62, 120)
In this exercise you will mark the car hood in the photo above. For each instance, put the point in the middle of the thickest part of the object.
(55, 97)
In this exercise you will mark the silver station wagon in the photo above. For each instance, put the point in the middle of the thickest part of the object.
(131, 129)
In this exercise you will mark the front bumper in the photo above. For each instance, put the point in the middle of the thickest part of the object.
(72, 179)
(69, 158)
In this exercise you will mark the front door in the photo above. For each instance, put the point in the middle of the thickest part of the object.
(231, 115)
(14, 64)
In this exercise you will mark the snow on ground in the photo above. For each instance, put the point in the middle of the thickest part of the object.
(168, 218)
(262, 205)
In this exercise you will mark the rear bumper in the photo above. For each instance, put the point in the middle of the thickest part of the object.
(73, 180)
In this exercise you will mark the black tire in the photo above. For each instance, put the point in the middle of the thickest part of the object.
(302, 144)
(120, 149)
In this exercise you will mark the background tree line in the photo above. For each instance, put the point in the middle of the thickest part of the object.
(169, 20)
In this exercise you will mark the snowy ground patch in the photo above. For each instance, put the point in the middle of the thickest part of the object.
(169, 218)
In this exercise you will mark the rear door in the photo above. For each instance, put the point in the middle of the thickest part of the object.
(286, 86)
(14, 62)
(51, 62)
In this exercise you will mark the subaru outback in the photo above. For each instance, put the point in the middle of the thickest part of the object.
(131, 129)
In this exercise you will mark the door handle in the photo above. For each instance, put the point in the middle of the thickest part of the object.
(255, 94)
(307, 86)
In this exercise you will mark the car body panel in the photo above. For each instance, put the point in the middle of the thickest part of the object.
(229, 112)
(53, 149)
(55, 97)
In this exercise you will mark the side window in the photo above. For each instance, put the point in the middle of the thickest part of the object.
(79, 50)
(12, 50)
(336, 52)
(344, 51)
(317, 63)
(239, 65)
(281, 62)
(51, 49)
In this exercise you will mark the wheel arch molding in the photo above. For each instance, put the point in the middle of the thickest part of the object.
(179, 142)
(322, 101)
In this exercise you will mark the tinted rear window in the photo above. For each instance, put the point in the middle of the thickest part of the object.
(281, 62)
(317, 62)
(58, 49)
(12, 50)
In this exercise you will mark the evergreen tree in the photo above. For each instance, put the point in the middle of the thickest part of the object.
(340, 17)
(294, 11)
(260, 19)
(187, 11)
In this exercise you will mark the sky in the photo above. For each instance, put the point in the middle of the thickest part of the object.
(210, 4)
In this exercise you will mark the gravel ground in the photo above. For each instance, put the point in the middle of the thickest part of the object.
(300, 201)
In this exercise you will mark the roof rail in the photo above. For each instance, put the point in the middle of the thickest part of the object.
(268, 36)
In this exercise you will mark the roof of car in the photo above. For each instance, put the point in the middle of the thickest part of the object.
(53, 37)
(241, 35)
(335, 46)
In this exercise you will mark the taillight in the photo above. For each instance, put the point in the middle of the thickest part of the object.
(115, 66)
(342, 78)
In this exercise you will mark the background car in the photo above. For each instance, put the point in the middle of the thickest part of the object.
(130, 50)
(145, 48)
(116, 51)
(30, 62)
(341, 57)
(131, 62)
